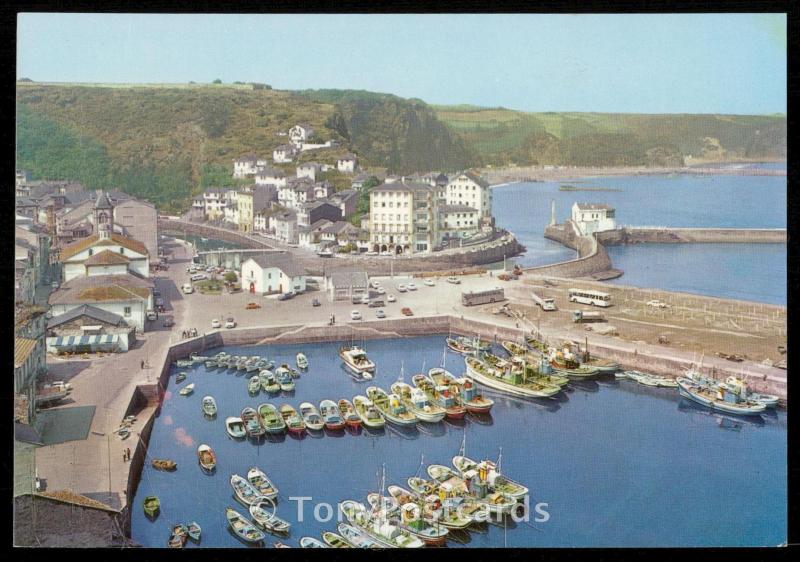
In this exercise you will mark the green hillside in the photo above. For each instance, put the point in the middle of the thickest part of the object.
(503, 136)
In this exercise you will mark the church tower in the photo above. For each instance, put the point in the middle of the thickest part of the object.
(104, 216)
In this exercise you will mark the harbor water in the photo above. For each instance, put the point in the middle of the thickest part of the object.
(616, 463)
(747, 271)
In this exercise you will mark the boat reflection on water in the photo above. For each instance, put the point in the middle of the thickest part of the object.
(335, 433)
(480, 419)
(585, 385)
(459, 535)
(350, 430)
(456, 422)
(409, 433)
(275, 437)
(724, 421)
(519, 403)
(374, 431)
(432, 429)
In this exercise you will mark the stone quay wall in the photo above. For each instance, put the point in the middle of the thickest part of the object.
(592, 257)
(659, 235)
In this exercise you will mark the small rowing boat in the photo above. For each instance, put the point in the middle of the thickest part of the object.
(356, 537)
(164, 464)
(349, 415)
(335, 541)
(193, 530)
(311, 416)
(331, 415)
(370, 416)
(268, 382)
(261, 482)
(284, 378)
(263, 513)
(206, 457)
(178, 536)
(180, 377)
(311, 542)
(294, 373)
(253, 385)
(243, 528)
(251, 423)
(294, 423)
(271, 420)
(187, 390)
(151, 505)
(650, 380)
(391, 407)
(209, 406)
(244, 490)
(235, 427)
(417, 402)
(302, 361)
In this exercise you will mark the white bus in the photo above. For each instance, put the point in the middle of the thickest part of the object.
(587, 296)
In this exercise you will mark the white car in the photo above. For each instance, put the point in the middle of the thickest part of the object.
(411, 287)
(380, 313)
(381, 291)
(401, 288)
(657, 304)
(390, 298)
(429, 282)
(355, 315)
(215, 324)
(187, 289)
(386, 253)
(230, 323)
(454, 280)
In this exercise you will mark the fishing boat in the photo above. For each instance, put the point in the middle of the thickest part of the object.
(251, 423)
(235, 427)
(263, 514)
(465, 345)
(180, 377)
(378, 528)
(487, 471)
(440, 395)
(184, 362)
(262, 483)
(284, 378)
(455, 501)
(206, 457)
(565, 363)
(187, 390)
(164, 464)
(193, 530)
(370, 416)
(738, 386)
(151, 505)
(253, 385)
(294, 373)
(355, 357)
(302, 361)
(349, 415)
(233, 363)
(387, 504)
(311, 417)
(433, 509)
(391, 407)
(311, 542)
(268, 382)
(271, 420)
(253, 364)
(241, 364)
(178, 536)
(495, 502)
(331, 415)
(464, 390)
(718, 398)
(209, 406)
(650, 380)
(356, 537)
(508, 381)
(243, 528)
(211, 364)
(515, 349)
(335, 541)
(279, 544)
(244, 490)
(294, 423)
(411, 520)
(417, 402)
(603, 366)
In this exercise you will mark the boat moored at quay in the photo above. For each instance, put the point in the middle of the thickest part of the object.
(718, 398)
(508, 381)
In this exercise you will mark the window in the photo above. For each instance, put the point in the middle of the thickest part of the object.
(126, 311)
(121, 250)
(91, 251)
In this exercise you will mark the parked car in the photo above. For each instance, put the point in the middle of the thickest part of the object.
(252, 306)
(429, 282)
(355, 315)
(365, 299)
(411, 287)
(169, 321)
(390, 298)
(198, 277)
(381, 291)
(230, 323)
(159, 301)
(156, 293)
(285, 296)
(315, 302)
(407, 311)
(215, 323)
(401, 288)
(454, 280)
(377, 303)
(152, 315)
(187, 289)
(55, 285)
(380, 313)
(657, 304)
(374, 284)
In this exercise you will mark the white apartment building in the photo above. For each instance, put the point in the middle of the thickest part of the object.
(473, 191)
(270, 176)
(247, 165)
(593, 217)
(403, 218)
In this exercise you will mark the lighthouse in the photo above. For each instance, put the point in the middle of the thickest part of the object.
(552, 212)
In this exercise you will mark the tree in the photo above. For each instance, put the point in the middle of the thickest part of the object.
(231, 277)
(217, 81)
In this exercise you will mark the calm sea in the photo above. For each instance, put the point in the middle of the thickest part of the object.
(617, 464)
(742, 271)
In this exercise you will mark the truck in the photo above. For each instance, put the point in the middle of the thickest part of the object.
(473, 298)
(546, 302)
(579, 316)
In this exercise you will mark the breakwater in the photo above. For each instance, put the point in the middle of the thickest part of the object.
(666, 235)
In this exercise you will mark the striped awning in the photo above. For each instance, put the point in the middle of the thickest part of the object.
(105, 340)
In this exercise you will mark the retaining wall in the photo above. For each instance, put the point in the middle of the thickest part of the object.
(592, 257)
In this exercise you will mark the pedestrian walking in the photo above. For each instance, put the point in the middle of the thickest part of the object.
(123, 457)
(142, 364)
(128, 452)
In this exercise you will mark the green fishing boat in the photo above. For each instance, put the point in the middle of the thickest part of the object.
(151, 505)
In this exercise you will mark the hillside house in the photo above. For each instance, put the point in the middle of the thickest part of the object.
(272, 273)
(346, 164)
(300, 134)
(283, 154)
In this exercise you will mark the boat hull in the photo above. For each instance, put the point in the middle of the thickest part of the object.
(716, 405)
(509, 388)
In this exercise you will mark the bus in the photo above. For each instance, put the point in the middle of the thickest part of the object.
(482, 297)
(587, 296)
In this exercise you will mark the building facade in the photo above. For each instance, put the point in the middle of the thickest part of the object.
(593, 217)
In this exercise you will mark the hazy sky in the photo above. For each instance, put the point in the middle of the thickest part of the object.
(715, 63)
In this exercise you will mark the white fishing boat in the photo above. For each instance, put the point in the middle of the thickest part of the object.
(418, 403)
(370, 416)
(488, 472)
(209, 406)
(507, 381)
(647, 379)
(433, 508)
(356, 537)
(495, 502)
(311, 542)
(187, 390)
(311, 416)
(718, 398)
(383, 532)
(302, 361)
(235, 427)
(738, 386)
(335, 541)
(391, 407)
(356, 358)
(261, 482)
(245, 491)
(263, 513)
